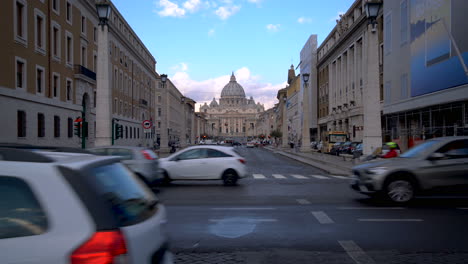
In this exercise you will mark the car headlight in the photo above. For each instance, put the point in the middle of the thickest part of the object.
(377, 170)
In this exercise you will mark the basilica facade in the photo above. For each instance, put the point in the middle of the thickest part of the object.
(234, 117)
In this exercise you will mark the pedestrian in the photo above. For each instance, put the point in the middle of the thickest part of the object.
(393, 151)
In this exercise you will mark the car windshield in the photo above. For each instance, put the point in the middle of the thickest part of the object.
(418, 150)
(128, 197)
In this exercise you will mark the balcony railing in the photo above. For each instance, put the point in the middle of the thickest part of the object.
(80, 69)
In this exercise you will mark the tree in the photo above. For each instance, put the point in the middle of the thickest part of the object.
(276, 133)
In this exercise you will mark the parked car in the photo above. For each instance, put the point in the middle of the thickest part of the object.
(440, 163)
(77, 208)
(204, 163)
(142, 161)
(335, 150)
(357, 151)
(348, 147)
(236, 143)
(250, 144)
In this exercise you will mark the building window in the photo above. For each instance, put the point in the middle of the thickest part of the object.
(131, 132)
(404, 22)
(55, 84)
(20, 73)
(126, 132)
(83, 25)
(404, 86)
(83, 56)
(56, 6)
(95, 63)
(40, 79)
(39, 31)
(159, 124)
(69, 12)
(21, 22)
(115, 105)
(69, 90)
(388, 33)
(159, 99)
(55, 40)
(95, 34)
(21, 123)
(138, 130)
(40, 125)
(70, 127)
(159, 111)
(388, 92)
(69, 49)
(56, 126)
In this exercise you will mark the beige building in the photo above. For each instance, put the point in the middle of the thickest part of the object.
(234, 117)
(48, 78)
(293, 110)
(345, 74)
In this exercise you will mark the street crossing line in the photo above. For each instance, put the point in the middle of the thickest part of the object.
(259, 176)
(278, 176)
(247, 220)
(297, 176)
(243, 208)
(322, 217)
(389, 220)
(355, 252)
(340, 177)
(370, 208)
(320, 177)
(302, 201)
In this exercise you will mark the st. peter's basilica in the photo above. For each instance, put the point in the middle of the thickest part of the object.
(235, 116)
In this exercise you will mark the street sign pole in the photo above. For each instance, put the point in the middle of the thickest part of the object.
(112, 136)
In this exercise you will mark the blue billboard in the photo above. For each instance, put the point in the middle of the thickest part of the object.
(435, 65)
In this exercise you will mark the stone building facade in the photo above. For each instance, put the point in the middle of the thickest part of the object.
(234, 117)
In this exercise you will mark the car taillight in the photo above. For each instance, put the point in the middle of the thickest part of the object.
(147, 155)
(102, 248)
(242, 161)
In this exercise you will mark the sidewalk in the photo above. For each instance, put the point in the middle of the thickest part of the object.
(334, 165)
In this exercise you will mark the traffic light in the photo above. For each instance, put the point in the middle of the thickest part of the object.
(77, 129)
(118, 131)
(85, 129)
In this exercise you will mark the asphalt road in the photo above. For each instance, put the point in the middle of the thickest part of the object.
(288, 212)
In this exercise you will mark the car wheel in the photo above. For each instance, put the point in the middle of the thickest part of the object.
(230, 178)
(400, 190)
(166, 179)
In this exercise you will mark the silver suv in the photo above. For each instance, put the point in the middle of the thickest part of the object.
(436, 164)
(77, 208)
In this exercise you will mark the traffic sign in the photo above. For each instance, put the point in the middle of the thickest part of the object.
(147, 124)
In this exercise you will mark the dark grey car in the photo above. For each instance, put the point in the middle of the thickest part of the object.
(435, 164)
(142, 161)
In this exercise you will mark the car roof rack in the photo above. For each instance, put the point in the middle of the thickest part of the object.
(21, 155)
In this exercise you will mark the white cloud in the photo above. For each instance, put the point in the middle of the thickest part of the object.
(303, 20)
(211, 32)
(337, 17)
(273, 28)
(225, 12)
(180, 67)
(192, 5)
(170, 9)
(204, 91)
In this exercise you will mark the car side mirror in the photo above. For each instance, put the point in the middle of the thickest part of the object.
(436, 156)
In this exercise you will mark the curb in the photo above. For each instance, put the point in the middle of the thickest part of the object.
(325, 166)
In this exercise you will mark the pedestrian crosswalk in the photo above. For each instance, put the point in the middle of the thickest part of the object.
(259, 176)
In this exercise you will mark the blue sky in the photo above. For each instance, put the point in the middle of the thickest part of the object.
(198, 43)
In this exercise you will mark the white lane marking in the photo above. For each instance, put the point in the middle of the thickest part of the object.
(355, 252)
(243, 208)
(341, 177)
(389, 220)
(302, 201)
(259, 176)
(297, 176)
(247, 220)
(322, 217)
(278, 176)
(320, 177)
(370, 208)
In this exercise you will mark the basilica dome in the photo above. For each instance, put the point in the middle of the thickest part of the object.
(233, 89)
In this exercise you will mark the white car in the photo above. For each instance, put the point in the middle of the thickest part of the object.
(204, 163)
(250, 145)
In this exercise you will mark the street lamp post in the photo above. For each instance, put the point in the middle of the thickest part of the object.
(103, 89)
(284, 132)
(164, 143)
(305, 145)
(372, 116)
